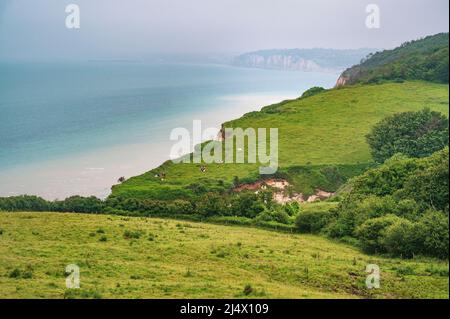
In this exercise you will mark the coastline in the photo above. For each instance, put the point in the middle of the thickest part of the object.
(93, 173)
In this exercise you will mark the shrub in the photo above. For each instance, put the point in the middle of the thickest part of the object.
(247, 204)
(180, 207)
(433, 232)
(248, 290)
(212, 204)
(312, 222)
(429, 186)
(128, 234)
(436, 270)
(292, 209)
(409, 209)
(415, 134)
(277, 215)
(405, 271)
(343, 226)
(312, 91)
(400, 239)
(371, 233)
(373, 207)
(79, 204)
(24, 203)
(20, 274)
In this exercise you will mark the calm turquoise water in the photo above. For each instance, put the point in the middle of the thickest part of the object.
(49, 112)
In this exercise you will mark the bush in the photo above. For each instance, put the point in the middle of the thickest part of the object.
(277, 215)
(21, 274)
(292, 209)
(180, 207)
(429, 186)
(212, 204)
(433, 233)
(312, 91)
(342, 226)
(145, 207)
(400, 239)
(415, 134)
(79, 204)
(371, 233)
(373, 207)
(247, 204)
(128, 234)
(409, 209)
(312, 222)
(24, 203)
(248, 290)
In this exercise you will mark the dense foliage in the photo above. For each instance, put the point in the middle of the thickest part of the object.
(76, 204)
(312, 91)
(415, 134)
(240, 208)
(425, 59)
(400, 207)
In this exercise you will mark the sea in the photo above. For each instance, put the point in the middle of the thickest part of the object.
(75, 128)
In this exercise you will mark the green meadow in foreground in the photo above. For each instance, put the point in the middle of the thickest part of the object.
(321, 141)
(122, 257)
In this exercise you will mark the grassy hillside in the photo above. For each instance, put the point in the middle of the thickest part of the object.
(321, 140)
(153, 258)
(424, 59)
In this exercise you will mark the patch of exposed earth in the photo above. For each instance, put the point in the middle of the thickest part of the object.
(280, 191)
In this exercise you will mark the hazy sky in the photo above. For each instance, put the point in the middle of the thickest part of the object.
(136, 28)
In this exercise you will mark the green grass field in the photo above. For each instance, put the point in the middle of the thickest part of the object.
(317, 135)
(177, 259)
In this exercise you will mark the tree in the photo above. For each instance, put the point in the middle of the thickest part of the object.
(414, 134)
(212, 204)
(312, 91)
(400, 239)
(371, 233)
(247, 204)
(433, 233)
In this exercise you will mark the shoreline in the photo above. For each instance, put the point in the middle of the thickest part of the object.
(93, 173)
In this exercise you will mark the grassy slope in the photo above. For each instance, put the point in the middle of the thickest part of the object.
(193, 260)
(326, 129)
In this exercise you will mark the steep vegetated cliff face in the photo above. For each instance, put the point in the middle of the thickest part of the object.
(424, 59)
(327, 60)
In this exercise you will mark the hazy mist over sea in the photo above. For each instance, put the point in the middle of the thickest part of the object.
(139, 29)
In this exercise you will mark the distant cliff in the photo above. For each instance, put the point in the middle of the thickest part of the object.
(328, 60)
